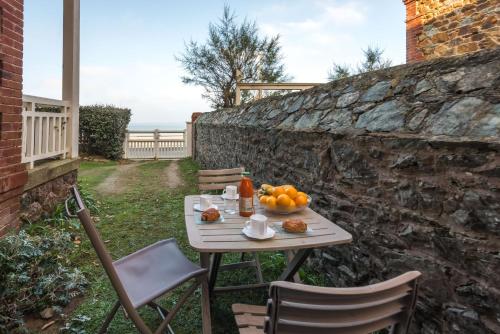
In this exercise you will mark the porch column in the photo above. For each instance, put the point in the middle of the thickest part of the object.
(71, 68)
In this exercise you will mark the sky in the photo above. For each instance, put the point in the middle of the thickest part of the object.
(128, 47)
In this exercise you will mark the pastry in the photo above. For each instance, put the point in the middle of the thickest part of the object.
(210, 215)
(294, 226)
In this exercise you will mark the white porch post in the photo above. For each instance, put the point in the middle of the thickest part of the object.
(71, 68)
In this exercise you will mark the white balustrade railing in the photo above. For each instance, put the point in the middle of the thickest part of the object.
(158, 144)
(45, 129)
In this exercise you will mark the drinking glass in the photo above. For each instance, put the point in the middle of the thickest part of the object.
(230, 206)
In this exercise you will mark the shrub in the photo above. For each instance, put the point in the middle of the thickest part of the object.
(103, 129)
(34, 274)
(36, 270)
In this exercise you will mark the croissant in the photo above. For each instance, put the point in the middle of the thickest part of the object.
(210, 215)
(294, 226)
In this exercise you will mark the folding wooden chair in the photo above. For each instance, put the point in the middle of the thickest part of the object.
(143, 276)
(217, 180)
(296, 308)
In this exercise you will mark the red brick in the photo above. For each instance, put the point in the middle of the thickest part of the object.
(7, 118)
(4, 143)
(12, 81)
(14, 166)
(11, 101)
(11, 194)
(9, 152)
(7, 92)
(13, 181)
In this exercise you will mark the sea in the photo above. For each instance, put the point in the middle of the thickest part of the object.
(164, 129)
(153, 126)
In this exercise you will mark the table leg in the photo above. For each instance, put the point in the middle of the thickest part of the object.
(295, 263)
(217, 257)
(205, 296)
(289, 257)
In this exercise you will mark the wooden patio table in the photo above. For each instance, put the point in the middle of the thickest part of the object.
(227, 237)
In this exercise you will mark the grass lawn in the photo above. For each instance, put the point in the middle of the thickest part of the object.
(147, 210)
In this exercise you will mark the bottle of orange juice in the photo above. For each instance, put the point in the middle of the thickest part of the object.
(246, 195)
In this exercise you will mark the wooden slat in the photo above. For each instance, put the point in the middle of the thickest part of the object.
(223, 289)
(216, 186)
(237, 231)
(245, 320)
(230, 224)
(214, 172)
(251, 330)
(219, 178)
(278, 236)
(247, 308)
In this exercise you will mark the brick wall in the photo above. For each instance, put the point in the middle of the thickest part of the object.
(13, 175)
(437, 28)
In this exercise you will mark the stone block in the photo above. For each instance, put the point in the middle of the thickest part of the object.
(389, 116)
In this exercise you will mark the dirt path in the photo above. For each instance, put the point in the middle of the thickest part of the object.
(119, 180)
(172, 177)
(127, 175)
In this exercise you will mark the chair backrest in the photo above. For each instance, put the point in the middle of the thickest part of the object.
(105, 259)
(297, 308)
(218, 179)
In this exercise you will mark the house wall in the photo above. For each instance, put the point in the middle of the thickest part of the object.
(13, 175)
(437, 28)
(407, 160)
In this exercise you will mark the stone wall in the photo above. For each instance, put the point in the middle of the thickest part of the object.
(437, 28)
(13, 174)
(47, 188)
(407, 160)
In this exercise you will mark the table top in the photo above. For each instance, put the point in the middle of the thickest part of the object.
(227, 236)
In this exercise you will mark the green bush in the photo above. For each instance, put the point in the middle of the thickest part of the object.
(102, 130)
(37, 269)
(34, 274)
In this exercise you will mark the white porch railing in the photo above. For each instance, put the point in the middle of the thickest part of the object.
(158, 144)
(45, 129)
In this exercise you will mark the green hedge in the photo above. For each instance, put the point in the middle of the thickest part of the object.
(103, 129)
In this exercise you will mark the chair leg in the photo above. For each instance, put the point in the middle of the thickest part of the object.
(163, 326)
(163, 313)
(258, 269)
(109, 317)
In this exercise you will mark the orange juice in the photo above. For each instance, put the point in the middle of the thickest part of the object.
(246, 196)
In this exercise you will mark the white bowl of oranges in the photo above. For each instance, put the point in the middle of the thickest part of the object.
(283, 199)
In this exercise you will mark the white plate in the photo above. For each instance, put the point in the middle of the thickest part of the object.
(223, 196)
(270, 233)
(280, 225)
(197, 207)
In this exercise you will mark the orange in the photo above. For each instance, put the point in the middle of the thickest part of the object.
(302, 193)
(292, 205)
(271, 202)
(263, 199)
(277, 191)
(290, 191)
(301, 200)
(283, 200)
